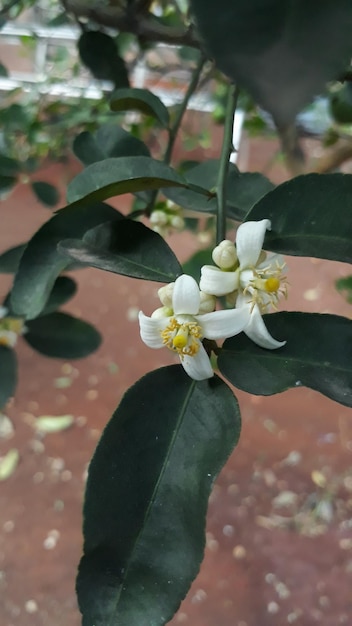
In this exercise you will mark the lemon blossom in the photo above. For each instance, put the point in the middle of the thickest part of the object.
(256, 280)
(181, 324)
(10, 328)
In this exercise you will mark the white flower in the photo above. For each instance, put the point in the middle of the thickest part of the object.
(8, 338)
(180, 325)
(258, 281)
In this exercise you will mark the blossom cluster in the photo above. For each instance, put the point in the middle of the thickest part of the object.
(252, 284)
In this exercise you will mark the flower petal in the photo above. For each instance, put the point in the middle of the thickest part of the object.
(256, 329)
(198, 366)
(216, 282)
(249, 242)
(223, 324)
(186, 296)
(274, 261)
(150, 329)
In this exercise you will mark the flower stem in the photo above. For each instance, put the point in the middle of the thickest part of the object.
(173, 130)
(226, 150)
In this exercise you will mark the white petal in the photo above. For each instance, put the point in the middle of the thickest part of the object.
(216, 282)
(249, 242)
(186, 296)
(198, 366)
(151, 328)
(223, 324)
(256, 329)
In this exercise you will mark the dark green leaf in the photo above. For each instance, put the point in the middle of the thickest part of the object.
(6, 183)
(318, 354)
(63, 290)
(10, 259)
(46, 193)
(282, 52)
(243, 190)
(141, 100)
(42, 263)
(62, 336)
(8, 374)
(99, 53)
(125, 247)
(8, 166)
(194, 264)
(341, 104)
(310, 216)
(147, 495)
(116, 176)
(109, 141)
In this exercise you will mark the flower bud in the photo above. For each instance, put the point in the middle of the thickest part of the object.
(165, 294)
(207, 303)
(159, 218)
(177, 222)
(224, 255)
(162, 312)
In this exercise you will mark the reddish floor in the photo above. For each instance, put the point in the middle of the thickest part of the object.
(279, 539)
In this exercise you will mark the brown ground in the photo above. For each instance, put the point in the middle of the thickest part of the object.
(279, 540)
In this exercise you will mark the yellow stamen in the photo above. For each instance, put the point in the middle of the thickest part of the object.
(272, 284)
(182, 337)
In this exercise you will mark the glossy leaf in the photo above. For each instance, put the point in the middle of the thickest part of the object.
(10, 259)
(46, 193)
(63, 290)
(116, 176)
(8, 374)
(318, 354)
(147, 495)
(282, 52)
(99, 53)
(310, 216)
(110, 140)
(62, 336)
(141, 100)
(42, 263)
(125, 247)
(243, 190)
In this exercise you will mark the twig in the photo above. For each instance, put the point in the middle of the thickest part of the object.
(226, 150)
(291, 148)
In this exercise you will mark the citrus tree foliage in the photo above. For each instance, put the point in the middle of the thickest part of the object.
(154, 467)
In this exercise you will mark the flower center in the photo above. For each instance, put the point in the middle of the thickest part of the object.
(267, 285)
(182, 337)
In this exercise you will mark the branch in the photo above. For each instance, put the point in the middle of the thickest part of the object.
(291, 148)
(227, 148)
(333, 157)
(143, 25)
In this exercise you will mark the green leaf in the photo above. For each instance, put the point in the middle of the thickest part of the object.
(6, 183)
(282, 52)
(310, 216)
(41, 262)
(63, 290)
(99, 53)
(10, 259)
(8, 374)
(141, 100)
(318, 354)
(125, 247)
(196, 262)
(109, 141)
(147, 495)
(8, 166)
(62, 336)
(116, 176)
(47, 194)
(341, 104)
(345, 285)
(243, 190)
